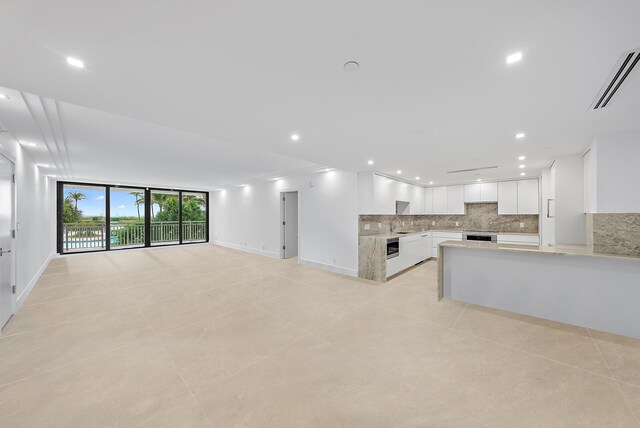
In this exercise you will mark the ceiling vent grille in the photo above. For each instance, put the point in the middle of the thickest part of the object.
(472, 169)
(620, 72)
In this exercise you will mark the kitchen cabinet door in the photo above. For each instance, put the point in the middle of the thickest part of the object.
(439, 200)
(472, 193)
(508, 197)
(417, 200)
(528, 201)
(455, 200)
(384, 195)
(428, 200)
(488, 192)
(425, 247)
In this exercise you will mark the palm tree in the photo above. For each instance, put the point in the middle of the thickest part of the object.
(139, 200)
(158, 198)
(76, 196)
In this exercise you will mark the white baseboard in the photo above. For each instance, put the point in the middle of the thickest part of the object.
(23, 296)
(247, 249)
(326, 266)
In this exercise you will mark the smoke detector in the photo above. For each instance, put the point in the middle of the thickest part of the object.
(351, 66)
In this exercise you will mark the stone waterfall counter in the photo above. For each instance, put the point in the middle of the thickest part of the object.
(372, 257)
(569, 284)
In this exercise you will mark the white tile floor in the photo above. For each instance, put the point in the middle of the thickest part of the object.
(206, 336)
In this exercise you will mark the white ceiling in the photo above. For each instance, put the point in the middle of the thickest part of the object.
(433, 93)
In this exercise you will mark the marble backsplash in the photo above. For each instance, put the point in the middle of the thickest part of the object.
(478, 218)
(614, 233)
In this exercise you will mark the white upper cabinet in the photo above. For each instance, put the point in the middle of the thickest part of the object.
(508, 197)
(472, 192)
(481, 192)
(428, 200)
(488, 192)
(455, 199)
(528, 200)
(417, 200)
(439, 200)
(518, 197)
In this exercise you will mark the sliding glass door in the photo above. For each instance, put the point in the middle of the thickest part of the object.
(84, 226)
(126, 217)
(194, 217)
(165, 217)
(106, 217)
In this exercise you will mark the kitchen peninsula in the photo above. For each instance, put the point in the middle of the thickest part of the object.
(570, 284)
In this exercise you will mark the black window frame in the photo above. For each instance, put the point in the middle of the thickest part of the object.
(147, 216)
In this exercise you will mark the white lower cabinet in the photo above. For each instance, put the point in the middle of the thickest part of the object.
(438, 237)
(413, 250)
(519, 239)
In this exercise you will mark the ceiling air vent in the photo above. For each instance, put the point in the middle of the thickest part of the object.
(620, 72)
(472, 169)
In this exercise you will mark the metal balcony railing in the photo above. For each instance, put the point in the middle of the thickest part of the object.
(93, 235)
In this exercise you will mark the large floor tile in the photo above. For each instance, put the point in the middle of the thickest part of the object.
(309, 309)
(186, 413)
(260, 289)
(501, 386)
(422, 410)
(61, 311)
(421, 305)
(190, 308)
(355, 288)
(210, 351)
(36, 351)
(308, 384)
(568, 344)
(392, 342)
(115, 389)
(622, 355)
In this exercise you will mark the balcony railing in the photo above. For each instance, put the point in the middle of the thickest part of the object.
(92, 235)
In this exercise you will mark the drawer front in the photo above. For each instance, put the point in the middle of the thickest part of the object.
(519, 239)
(447, 235)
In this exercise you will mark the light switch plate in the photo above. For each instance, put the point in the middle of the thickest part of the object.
(521, 224)
(366, 226)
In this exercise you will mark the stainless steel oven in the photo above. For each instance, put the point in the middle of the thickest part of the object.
(482, 237)
(393, 247)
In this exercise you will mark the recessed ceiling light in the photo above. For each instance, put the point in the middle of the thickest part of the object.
(28, 144)
(75, 62)
(523, 173)
(398, 172)
(295, 137)
(4, 96)
(520, 135)
(431, 182)
(351, 66)
(521, 157)
(370, 162)
(479, 179)
(44, 165)
(514, 57)
(522, 166)
(417, 178)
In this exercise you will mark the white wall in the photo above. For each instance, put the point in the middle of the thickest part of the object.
(570, 221)
(617, 173)
(249, 218)
(35, 217)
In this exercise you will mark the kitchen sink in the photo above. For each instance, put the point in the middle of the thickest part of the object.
(403, 233)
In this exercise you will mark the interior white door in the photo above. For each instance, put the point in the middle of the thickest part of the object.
(7, 252)
(290, 224)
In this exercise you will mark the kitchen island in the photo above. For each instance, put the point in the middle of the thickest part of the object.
(569, 284)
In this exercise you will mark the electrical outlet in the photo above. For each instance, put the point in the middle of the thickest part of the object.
(411, 223)
(522, 225)
(379, 225)
(403, 223)
(433, 223)
(457, 223)
(366, 226)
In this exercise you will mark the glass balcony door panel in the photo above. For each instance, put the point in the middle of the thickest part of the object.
(194, 217)
(84, 226)
(165, 217)
(126, 215)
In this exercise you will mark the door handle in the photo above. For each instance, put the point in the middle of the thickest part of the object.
(2, 252)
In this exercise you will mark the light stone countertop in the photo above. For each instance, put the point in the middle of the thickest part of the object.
(421, 232)
(562, 250)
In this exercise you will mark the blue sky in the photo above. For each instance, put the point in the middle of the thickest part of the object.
(122, 203)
